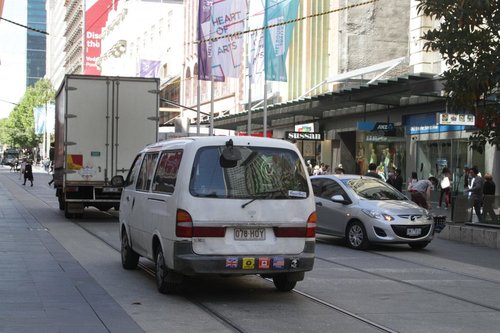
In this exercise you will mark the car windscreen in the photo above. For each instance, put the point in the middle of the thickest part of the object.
(373, 189)
(263, 172)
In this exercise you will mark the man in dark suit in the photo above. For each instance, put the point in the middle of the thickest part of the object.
(372, 171)
(476, 192)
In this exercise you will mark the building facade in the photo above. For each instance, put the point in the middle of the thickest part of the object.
(36, 42)
(55, 69)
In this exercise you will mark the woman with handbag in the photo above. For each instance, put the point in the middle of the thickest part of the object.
(445, 187)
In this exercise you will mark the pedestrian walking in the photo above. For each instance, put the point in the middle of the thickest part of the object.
(395, 179)
(445, 187)
(476, 192)
(489, 197)
(421, 192)
(412, 180)
(23, 167)
(28, 173)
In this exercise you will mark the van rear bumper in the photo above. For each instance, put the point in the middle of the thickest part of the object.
(189, 263)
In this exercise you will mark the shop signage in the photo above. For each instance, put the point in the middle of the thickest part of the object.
(313, 136)
(455, 119)
(386, 127)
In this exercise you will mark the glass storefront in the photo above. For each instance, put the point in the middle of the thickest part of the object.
(434, 155)
(384, 151)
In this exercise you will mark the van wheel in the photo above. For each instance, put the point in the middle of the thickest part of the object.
(356, 236)
(130, 258)
(282, 284)
(162, 283)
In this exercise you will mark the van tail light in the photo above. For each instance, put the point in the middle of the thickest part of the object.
(184, 227)
(311, 225)
(309, 231)
(183, 224)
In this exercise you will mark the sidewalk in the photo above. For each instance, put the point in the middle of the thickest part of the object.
(42, 287)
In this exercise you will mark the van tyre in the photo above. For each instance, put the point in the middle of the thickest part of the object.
(130, 258)
(418, 245)
(162, 279)
(282, 283)
(356, 236)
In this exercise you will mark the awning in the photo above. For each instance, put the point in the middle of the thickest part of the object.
(383, 94)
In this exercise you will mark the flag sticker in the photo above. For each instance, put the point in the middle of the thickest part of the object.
(264, 263)
(248, 263)
(279, 262)
(232, 262)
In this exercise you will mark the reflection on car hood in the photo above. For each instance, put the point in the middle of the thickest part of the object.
(395, 207)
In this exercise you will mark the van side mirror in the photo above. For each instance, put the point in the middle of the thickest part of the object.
(117, 181)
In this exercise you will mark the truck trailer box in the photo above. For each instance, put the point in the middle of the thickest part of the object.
(101, 122)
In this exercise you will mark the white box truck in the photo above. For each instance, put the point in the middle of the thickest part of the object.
(101, 122)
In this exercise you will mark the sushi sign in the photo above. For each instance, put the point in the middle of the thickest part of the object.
(455, 119)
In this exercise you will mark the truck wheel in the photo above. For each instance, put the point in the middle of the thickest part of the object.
(282, 284)
(162, 280)
(60, 199)
(67, 214)
(130, 258)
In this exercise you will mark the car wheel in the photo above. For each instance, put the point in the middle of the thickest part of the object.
(282, 284)
(418, 245)
(356, 236)
(162, 283)
(130, 258)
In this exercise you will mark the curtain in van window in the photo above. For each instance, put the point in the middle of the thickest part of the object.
(166, 172)
(146, 172)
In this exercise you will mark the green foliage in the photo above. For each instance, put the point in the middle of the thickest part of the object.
(18, 130)
(468, 39)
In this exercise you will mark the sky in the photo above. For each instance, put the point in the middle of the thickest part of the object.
(12, 55)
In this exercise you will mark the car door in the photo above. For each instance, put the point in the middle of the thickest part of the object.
(332, 216)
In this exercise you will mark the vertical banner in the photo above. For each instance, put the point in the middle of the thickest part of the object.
(149, 68)
(221, 57)
(278, 37)
(256, 41)
(204, 33)
(96, 15)
(40, 119)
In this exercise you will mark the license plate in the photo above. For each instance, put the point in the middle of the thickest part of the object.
(249, 234)
(413, 231)
(111, 189)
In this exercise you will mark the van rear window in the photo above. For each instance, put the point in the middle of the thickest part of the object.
(272, 173)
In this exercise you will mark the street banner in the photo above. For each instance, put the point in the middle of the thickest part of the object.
(96, 15)
(149, 68)
(256, 41)
(39, 115)
(277, 38)
(221, 57)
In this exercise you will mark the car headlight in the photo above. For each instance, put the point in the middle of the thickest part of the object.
(378, 215)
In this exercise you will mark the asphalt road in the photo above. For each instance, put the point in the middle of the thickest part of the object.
(447, 287)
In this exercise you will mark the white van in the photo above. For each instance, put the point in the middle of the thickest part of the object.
(219, 205)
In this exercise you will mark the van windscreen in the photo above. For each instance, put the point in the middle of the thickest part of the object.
(272, 173)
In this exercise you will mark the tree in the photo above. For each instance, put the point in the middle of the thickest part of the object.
(468, 38)
(19, 127)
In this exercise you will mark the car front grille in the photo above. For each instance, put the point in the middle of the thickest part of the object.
(401, 230)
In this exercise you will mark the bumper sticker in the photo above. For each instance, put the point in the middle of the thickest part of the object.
(248, 263)
(232, 262)
(279, 262)
(264, 263)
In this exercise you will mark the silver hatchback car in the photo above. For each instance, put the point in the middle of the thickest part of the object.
(366, 210)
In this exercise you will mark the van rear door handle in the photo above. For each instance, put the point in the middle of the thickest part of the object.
(319, 204)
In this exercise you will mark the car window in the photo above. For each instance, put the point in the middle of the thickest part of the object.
(133, 170)
(273, 173)
(146, 172)
(166, 172)
(329, 188)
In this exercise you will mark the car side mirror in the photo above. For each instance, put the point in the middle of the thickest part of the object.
(338, 198)
(117, 181)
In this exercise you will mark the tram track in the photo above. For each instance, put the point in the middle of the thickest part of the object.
(230, 324)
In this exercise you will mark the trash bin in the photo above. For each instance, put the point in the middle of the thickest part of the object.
(439, 222)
